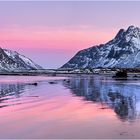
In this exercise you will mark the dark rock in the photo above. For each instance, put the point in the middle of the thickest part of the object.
(68, 81)
(135, 76)
(52, 82)
(35, 84)
(121, 74)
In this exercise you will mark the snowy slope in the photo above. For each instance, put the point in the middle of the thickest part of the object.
(123, 52)
(11, 60)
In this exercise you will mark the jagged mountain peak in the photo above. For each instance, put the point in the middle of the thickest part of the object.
(133, 31)
(130, 35)
(132, 28)
(120, 34)
(122, 51)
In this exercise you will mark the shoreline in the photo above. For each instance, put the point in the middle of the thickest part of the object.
(132, 75)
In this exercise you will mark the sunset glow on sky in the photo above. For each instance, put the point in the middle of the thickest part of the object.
(50, 33)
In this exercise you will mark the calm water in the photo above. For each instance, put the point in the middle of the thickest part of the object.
(74, 107)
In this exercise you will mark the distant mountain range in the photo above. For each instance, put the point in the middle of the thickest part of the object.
(13, 61)
(121, 52)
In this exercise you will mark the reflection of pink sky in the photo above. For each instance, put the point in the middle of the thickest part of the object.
(62, 107)
(22, 79)
(59, 107)
(62, 116)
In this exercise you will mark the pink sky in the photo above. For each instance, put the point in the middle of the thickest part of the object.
(63, 38)
(51, 32)
(52, 43)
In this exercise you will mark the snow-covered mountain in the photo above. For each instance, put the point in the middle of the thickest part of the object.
(121, 52)
(13, 61)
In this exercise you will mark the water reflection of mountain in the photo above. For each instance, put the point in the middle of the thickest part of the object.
(122, 97)
(12, 90)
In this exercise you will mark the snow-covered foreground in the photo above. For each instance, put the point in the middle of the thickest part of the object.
(74, 107)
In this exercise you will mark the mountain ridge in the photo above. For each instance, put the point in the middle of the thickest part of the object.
(13, 61)
(123, 51)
